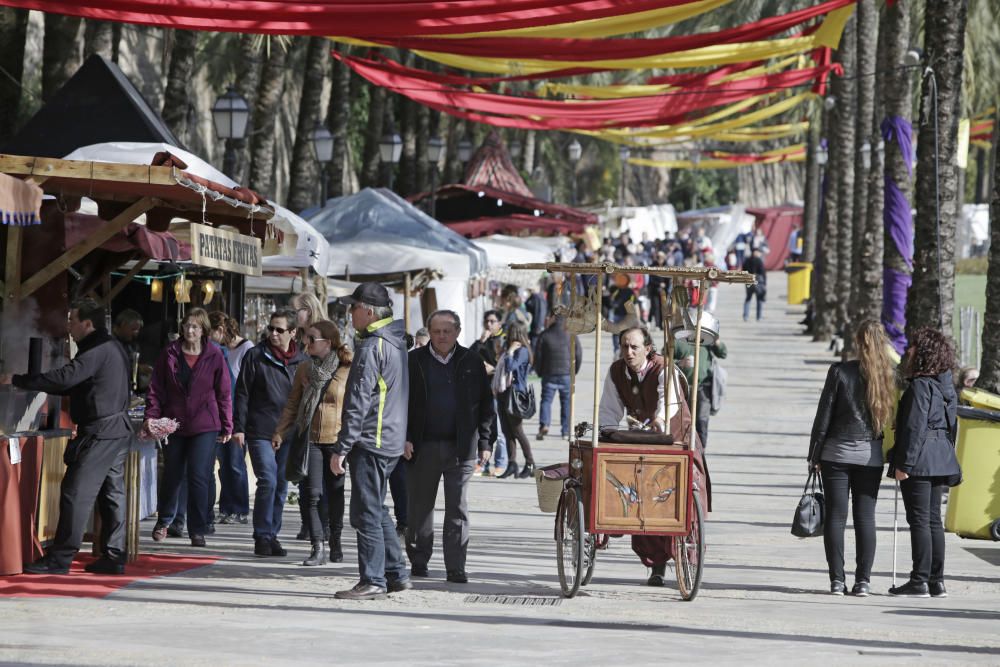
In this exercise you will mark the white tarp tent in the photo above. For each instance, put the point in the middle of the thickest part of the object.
(377, 233)
(502, 251)
(311, 249)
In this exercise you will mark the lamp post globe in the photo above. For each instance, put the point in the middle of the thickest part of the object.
(322, 142)
(435, 146)
(230, 114)
(515, 149)
(575, 150)
(464, 150)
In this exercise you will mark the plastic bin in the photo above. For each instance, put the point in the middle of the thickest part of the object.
(799, 279)
(980, 398)
(974, 505)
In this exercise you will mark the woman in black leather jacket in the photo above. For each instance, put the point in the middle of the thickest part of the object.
(923, 459)
(846, 446)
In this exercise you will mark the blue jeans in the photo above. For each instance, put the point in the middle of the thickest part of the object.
(380, 558)
(235, 495)
(272, 488)
(550, 385)
(500, 451)
(194, 455)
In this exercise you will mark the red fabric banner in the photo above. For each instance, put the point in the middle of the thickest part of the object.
(535, 113)
(349, 18)
(611, 49)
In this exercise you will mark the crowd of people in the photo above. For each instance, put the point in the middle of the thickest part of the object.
(311, 403)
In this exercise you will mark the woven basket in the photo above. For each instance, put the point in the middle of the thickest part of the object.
(549, 485)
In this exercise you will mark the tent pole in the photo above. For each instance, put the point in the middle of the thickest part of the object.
(406, 301)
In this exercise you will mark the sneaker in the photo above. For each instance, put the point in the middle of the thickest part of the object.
(911, 589)
(542, 432)
(861, 589)
(485, 472)
(227, 519)
(242, 518)
(498, 472)
(936, 589)
(262, 547)
(159, 532)
(837, 587)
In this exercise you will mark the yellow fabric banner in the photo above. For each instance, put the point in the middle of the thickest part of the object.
(828, 34)
(794, 153)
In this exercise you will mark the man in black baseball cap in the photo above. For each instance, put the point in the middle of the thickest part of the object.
(372, 294)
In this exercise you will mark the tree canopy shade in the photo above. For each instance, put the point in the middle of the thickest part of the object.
(387, 18)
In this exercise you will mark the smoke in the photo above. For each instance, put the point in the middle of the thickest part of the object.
(17, 327)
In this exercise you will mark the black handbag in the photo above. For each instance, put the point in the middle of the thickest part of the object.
(297, 463)
(808, 518)
(521, 404)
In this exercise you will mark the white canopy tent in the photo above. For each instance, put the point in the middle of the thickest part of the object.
(311, 249)
(502, 251)
(375, 234)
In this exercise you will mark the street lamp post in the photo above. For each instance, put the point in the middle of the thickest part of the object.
(390, 149)
(230, 114)
(575, 151)
(435, 146)
(322, 142)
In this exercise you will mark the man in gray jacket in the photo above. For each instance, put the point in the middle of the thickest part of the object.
(372, 437)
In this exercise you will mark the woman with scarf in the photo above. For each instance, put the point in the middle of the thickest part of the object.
(315, 405)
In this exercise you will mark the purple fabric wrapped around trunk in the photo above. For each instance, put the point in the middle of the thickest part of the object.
(898, 220)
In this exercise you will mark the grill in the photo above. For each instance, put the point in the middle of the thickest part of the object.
(515, 600)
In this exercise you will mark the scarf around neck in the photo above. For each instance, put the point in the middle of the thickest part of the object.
(317, 379)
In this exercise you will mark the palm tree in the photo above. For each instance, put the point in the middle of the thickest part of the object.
(265, 110)
(370, 164)
(845, 135)
(337, 119)
(813, 192)
(60, 52)
(932, 295)
(246, 81)
(13, 30)
(897, 101)
(989, 370)
(177, 96)
(304, 167)
(865, 297)
(824, 283)
(101, 37)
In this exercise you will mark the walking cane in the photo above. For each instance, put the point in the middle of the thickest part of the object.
(895, 525)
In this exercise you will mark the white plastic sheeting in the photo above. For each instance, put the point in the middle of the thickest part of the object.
(311, 249)
(502, 251)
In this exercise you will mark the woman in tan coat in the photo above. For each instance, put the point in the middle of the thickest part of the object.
(315, 403)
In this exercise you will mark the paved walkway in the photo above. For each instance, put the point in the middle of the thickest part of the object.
(763, 600)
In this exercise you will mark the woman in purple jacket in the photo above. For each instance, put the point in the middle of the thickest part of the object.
(191, 383)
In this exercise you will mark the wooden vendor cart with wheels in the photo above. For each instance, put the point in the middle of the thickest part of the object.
(635, 481)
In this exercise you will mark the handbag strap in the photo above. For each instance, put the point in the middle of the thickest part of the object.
(814, 482)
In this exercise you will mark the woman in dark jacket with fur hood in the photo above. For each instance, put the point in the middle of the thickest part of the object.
(923, 459)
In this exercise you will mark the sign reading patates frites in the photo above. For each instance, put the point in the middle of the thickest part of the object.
(224, 250)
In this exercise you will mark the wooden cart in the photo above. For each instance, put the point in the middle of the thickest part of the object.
(631, 482)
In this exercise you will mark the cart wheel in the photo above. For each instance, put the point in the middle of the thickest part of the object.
(689, 554)
(570, 541)
(590, 557)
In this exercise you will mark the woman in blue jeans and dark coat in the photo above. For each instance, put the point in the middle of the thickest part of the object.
(514, 365)
(923, 458)
(191, 383)
(846, 446)
(262, 389)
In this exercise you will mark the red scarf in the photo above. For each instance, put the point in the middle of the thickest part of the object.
(284, 357)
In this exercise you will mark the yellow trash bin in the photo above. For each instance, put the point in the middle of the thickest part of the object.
(980, 398)
(799, 279)
(974, 505)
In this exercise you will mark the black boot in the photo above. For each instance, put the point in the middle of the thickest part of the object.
(336, 552)
(511, 470)
(527, 471)
(317, 556)
(656, 578)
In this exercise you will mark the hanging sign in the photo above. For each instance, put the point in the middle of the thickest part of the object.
(224, 250)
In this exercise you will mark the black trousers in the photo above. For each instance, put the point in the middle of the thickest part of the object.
(95, 471)
(513, 431)
(704, 412)
(922, 500)
(319, 482)
(842, 482)
(436, 459)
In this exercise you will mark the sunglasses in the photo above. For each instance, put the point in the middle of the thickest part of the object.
(313, 339)
(277, 330)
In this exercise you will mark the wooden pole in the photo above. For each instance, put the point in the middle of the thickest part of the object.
(406, 302)
(668, 350)
(697, 362)
(598, 290)
(12, 277)
(120, 285)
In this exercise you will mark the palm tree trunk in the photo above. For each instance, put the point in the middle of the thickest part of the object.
(453, 167)
(867, 254)
(337, 117)
(13, 30)
(305, 168)
(845, 135)
(825, 274)
(370, 163)
(989, 370)
(424, 133)
(99, 38)
(897, 96)
(407, 113)
(811, 201)
(60, 52)
(177, 95)
(932, 295)
(528, 153)
(248, 72)
(265, 109)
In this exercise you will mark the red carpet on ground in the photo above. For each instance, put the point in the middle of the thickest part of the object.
(81, 584)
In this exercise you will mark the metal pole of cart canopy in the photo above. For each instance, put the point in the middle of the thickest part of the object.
(697, 361)
(572, 363)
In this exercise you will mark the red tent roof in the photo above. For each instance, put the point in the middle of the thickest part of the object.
(491, 166)
(514, 225)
